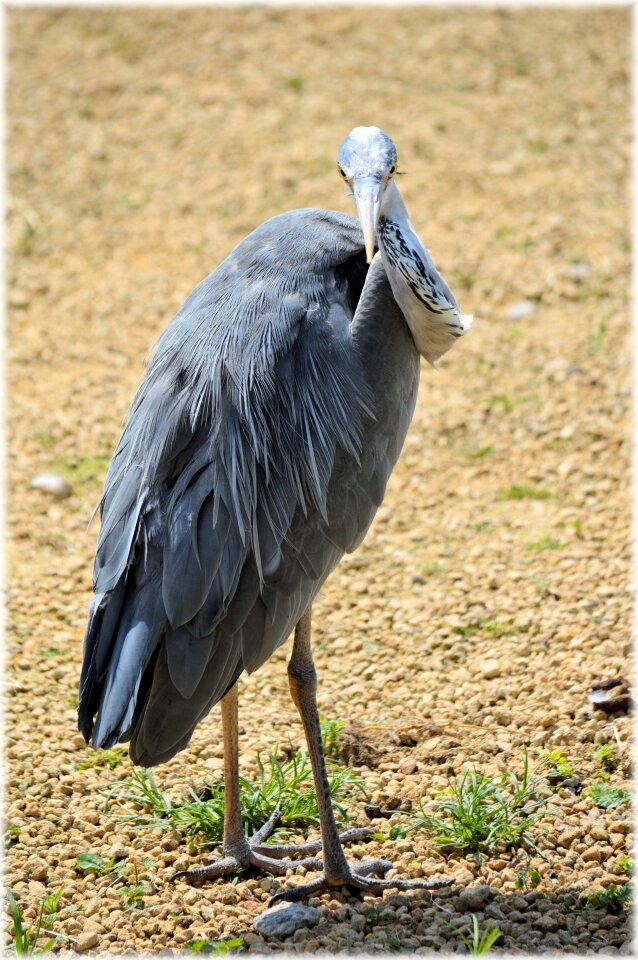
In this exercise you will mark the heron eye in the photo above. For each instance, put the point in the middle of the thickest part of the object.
(342, 173)
(392, 170)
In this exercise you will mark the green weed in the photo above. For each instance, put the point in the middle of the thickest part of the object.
(545, 543)
(608, 798)
(397, 832)
(525, 878)
(613, 899)
(625, 865)
(330, 736)
(607, 756)
(477, 453)
(518, 491)
(83, 471)
(481, 943)
(482, 814)
(287, 783)
(219, 947)
(499, 400)
(26, 938)
(50, 905)
(94, 863)
(490, 628)
(561, 767)
(295, 83)
(393, 942)
(44, 439)
(104, 759)
(11, 835)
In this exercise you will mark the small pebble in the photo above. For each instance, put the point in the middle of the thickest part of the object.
(473, 898)
(522, 310)
(87, 940)
(51, 483)
(283, 919)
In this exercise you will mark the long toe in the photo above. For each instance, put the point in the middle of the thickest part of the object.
(357, 880)
(219, 868)
(278, 850)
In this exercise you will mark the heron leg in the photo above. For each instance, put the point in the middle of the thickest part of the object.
(337, 871)
(240, 853)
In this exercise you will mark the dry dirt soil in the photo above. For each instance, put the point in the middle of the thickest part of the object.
(493, 588)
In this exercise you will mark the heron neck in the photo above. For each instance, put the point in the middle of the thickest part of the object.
(393, 209)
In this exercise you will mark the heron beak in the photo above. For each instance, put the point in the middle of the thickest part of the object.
(367, 196)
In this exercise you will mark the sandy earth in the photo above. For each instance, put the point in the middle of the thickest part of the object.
(493, 589)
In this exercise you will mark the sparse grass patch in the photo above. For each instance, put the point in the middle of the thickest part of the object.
(218, 947)
(104, 759)
(294, 82)
(477, 453)
(81, 471)
(287, 783)
(522, 491)
(545, 543)
(490, 628)
(499, 400)
(481, 814)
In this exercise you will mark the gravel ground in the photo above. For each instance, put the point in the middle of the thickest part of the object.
(493, 589)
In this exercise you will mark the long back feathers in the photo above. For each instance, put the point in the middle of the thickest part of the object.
(256, 451)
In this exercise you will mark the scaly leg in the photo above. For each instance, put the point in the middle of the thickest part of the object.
(240, 853)
(337, 871)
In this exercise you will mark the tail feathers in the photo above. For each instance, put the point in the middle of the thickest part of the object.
(140, 630)
(98, 644)
(167, 720)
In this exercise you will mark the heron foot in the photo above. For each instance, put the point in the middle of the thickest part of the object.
(269, 858)
(357, 878)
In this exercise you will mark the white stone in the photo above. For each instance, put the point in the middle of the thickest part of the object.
(522, 310)
(53, 484)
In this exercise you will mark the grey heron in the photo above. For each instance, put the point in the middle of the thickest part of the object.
(255, 453)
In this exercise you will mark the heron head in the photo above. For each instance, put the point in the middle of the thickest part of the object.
(367, 162)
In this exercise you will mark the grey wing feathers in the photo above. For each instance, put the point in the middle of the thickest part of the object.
(236, 486)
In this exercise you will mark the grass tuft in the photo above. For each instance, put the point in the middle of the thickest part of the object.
(522, 491)
(25, 939)
(545, 543)
(480, 814)
(607, 756)
(105, 759)
(480, 943)
(613, 899)
(200, 816)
